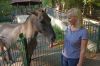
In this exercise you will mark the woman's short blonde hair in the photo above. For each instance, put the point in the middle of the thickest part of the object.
(76, 12)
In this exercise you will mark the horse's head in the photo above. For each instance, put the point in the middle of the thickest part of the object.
(44, 24)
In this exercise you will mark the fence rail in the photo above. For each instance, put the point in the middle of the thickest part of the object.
(42, 55)
(5, 19)
(93, 30)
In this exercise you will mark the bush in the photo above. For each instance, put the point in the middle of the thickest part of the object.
(59, 33)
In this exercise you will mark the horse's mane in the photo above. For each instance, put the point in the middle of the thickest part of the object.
(32, 14)
(30, 17)
(27, 18)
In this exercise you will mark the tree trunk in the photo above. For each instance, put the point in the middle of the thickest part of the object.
(53, 3)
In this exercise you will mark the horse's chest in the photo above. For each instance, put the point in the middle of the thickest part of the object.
(27, 31)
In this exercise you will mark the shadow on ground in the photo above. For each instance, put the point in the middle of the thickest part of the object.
(92, 62)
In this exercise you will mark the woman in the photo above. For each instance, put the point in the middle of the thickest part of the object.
(75, 40)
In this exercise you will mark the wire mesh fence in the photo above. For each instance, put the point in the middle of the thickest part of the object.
(43, 55)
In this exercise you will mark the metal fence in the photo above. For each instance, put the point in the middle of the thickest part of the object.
(5, 19)
(93, 30)
(45, 56)
(42, 55)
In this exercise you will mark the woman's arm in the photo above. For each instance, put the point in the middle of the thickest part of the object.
(82, 51)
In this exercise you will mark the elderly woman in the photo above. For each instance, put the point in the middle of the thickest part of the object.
(75, 40)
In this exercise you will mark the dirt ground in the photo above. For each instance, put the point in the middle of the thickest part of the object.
(94, 60)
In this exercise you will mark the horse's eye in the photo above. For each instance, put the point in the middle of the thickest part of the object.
(42, 22)
(42, 10)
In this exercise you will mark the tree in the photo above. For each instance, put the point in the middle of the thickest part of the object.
(90, 3)
(47, 3)
(5, 7)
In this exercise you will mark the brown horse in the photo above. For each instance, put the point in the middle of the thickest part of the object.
(38, 21)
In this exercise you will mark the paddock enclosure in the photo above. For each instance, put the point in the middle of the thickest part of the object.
(38, 21)
(45, 56)
(42, 55)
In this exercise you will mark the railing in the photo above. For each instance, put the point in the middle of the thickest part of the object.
(21, 52)
(42, 55)
(93, 30)
(5, 19)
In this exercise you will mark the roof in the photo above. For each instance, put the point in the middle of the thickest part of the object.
(26, 2)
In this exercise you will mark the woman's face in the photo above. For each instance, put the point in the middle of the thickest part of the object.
(73, 20)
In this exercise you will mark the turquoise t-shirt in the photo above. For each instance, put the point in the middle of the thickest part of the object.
(72, 42)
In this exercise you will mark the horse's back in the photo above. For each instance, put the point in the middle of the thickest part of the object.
(7, 30)
(8, 25)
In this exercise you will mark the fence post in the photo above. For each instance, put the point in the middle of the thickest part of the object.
(98, 44)
(23, 49)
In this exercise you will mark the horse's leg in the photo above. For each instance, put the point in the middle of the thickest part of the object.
(30, 48)
(4, 56)
(1, 50)
(9, 55)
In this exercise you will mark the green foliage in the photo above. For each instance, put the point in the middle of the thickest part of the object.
(5, 10)
(97, 3)
(47, 3)
(73, 3)
(59, 33)
(67, 3)
(5, 7)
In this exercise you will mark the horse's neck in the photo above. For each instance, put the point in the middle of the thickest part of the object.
(28, 24)
(28, 28)
(33, 38)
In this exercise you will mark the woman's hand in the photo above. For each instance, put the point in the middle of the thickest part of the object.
(79, 64)
(56, 43)
(51, 46)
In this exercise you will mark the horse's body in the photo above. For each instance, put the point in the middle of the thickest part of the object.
(38, 21)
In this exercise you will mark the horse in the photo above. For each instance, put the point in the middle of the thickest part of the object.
(20, 18)
(37, 22)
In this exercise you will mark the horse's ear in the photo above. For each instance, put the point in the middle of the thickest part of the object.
(35, 13)
(44, 9)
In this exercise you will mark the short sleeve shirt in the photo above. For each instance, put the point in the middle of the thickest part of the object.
(72, 42)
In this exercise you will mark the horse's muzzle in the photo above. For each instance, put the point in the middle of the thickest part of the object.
(52, 40)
